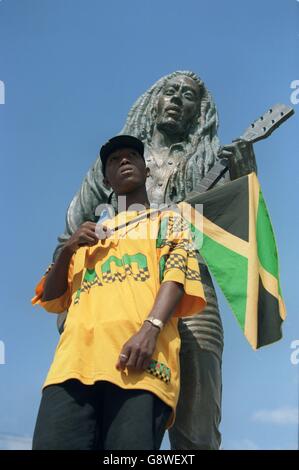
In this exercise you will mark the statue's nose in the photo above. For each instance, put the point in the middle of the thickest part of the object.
(177, 98)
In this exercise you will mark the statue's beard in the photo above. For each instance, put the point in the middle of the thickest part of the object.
(172, 127)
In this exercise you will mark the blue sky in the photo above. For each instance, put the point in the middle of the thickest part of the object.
(71, 71)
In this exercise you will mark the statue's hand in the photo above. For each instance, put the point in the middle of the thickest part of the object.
(240, 157)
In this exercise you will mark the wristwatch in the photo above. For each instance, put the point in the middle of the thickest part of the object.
(155, 322)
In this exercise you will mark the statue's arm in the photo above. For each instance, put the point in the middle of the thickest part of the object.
(196, 174)
(82, 207)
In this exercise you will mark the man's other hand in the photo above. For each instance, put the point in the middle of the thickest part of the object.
(137, 352)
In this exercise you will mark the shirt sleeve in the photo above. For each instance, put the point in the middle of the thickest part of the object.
(178, 262)
(60, 304)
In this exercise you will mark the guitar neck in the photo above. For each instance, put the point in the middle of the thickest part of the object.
(258, 130)
(266, 124)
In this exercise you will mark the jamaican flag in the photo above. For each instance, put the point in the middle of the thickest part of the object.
(239, 248)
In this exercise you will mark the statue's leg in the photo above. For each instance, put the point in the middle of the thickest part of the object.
(199, 406)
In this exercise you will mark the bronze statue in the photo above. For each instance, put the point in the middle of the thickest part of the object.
(177, 121)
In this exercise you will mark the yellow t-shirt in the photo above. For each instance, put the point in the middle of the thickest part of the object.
(112, 287)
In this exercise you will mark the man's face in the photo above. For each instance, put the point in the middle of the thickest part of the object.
(177, 106)
(125, 170)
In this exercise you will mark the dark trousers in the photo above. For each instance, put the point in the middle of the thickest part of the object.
(74, 416)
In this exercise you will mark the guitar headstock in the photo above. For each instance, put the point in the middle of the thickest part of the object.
(266, 124)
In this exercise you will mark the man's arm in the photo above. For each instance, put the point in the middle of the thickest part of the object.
(138, 351)
(57, 279)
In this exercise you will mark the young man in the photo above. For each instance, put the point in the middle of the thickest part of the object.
(114, 380)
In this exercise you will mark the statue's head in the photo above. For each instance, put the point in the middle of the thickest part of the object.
(197, 115)
(178, 103)
(177, 107)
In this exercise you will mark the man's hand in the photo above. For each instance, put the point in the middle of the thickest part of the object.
(86, 236)
(57, 279)
(137, 352)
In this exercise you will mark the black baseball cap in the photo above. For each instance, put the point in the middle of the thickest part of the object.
(120, 141)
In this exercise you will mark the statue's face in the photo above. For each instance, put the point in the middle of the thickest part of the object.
(178, 105)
